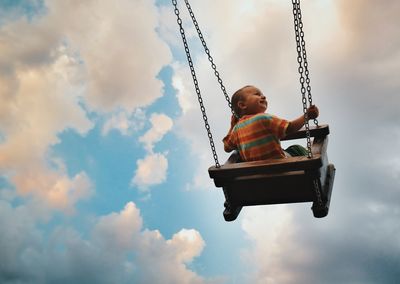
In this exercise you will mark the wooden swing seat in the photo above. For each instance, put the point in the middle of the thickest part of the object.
(276, 181)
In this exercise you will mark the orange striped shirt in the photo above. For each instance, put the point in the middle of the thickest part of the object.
(257, 137)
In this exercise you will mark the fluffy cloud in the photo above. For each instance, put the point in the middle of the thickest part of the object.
(38, 102)
(55, 188)
(275, 255)
(120, 67)
(190, 239)
(70, 57)
(118, 250)
(151, 170)
(160, 125)
(125, 122)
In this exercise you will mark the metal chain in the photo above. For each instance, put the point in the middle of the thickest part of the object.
(303, 68)
(196, 83)
(303, 47)
(300, 56)
(207, 51)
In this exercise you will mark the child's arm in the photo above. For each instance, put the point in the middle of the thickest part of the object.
(295, 125)
(227, 147)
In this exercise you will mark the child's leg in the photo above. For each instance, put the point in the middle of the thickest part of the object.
(297, 150)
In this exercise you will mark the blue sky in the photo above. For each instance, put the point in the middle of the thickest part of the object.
(104, 155)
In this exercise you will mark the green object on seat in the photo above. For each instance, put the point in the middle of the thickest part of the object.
(296, 150)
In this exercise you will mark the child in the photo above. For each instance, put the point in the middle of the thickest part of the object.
(256, 135)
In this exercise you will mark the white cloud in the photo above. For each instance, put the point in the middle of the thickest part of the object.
(167, 19)
(184, 96)
(118, 250)
(274, 251)
(55, 188)
(125, 122)
(117, 231)
(113, 42)
(160, 125)
(188, 243)
(38, 103)
(151, 170)
(73, 54)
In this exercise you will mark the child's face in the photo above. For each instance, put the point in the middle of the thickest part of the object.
(253, 101)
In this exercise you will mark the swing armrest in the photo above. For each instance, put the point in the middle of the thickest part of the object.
(319, 145)
(320, 131)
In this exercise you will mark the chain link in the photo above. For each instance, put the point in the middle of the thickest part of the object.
(303, 68)
(210, 58)
(303, 47)
(196, 83)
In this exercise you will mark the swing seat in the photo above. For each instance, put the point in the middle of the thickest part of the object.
(277, 181)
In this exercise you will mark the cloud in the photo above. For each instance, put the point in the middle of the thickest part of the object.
(185, 98)
(160, 125)
(125, 122)
(190, 239)
(289, 246)
(118, 250)
(19, 244)
(69, 58)
(275, 254)
(38, 103)
(113, 42)
(151, 170)
(55, 188)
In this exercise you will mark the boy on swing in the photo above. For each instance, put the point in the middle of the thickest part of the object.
(255, 134)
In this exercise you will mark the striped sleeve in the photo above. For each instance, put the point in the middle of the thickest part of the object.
(230, 142)
(278, 126)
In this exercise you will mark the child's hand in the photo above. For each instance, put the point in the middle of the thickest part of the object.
(312, 112)
(234, 120)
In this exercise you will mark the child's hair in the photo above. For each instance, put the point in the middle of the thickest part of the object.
(236, 98)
